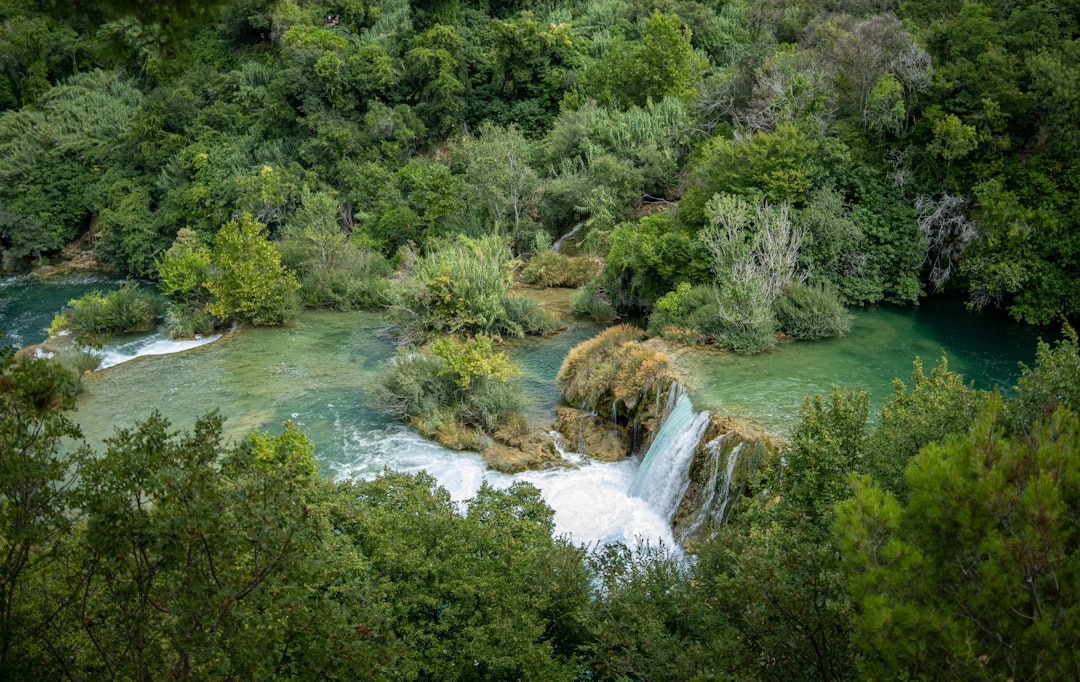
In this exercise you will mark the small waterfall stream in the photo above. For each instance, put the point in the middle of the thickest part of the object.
(558, 244)
(158, 343)
(663, 476)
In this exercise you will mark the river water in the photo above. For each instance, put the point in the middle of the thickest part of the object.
(315, 374)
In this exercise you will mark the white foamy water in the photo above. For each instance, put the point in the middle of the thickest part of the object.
(591, 500)
(158, 343)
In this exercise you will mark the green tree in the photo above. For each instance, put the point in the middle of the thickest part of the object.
(188, 545)
(663, 63)
(976, 575)
(780, 165)
(466, 597)
(773, 574)
(755, 254)
(248, 283)
(496, 165)
(130, 240)
(932, 408)
(334, 269)
(35, 499)
(435, 62)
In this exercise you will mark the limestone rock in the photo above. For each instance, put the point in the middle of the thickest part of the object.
(513, 453)
(592, 435)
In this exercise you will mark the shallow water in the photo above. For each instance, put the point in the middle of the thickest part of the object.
(315, 374)
(882, 345)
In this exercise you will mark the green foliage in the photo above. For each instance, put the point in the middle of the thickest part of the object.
(550, 269)
(650, 616)
(810, 312)
(975, 574)
(687, 314)
(183, 272)
(487, 594)
(463, 286)
(334, 270)
(248, 282)
(174, 554)
(450, 388)
(35, 493)
(934, 407)
(56, 157)
(435, 65)
(826, 446)
(129, 241)
(130, 308)
(837, 252)
(648, 259)
(590, 301)
(755, 253)
(1054, 382)
(200, 530)
(663, 63)
(472, 360)
(773, 572)
(780, 166)
(499, 178)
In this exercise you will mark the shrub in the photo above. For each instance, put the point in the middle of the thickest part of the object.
(335, 270)
(591, 301)
(127, 309)
(184, 321)
(452, 386)
(613, 366)
(746, 339)
(686, 314)
(463, 287)
(249, 282)
(550, 269)
(527, 314)
(811, 312)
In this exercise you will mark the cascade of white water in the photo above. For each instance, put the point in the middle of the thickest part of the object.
(558, 244)
(725, 496)
(158, 343)
(663, 476)
(713, 448)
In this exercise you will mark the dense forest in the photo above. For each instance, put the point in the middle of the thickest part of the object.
(725, 170)
(825, 152)
(937, 541)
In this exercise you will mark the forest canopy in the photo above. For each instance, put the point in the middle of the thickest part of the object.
(918, 147)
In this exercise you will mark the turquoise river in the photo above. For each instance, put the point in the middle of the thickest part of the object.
(316, 373)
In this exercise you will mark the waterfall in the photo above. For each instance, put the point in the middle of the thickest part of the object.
(713, 447)
(717, 498)
(725, 496)
(663, 476)
(158, 343)
(558, 244)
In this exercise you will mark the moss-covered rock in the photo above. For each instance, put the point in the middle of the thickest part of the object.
(712, 496)
(593, 435)
(511, 453)
(614, 372)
